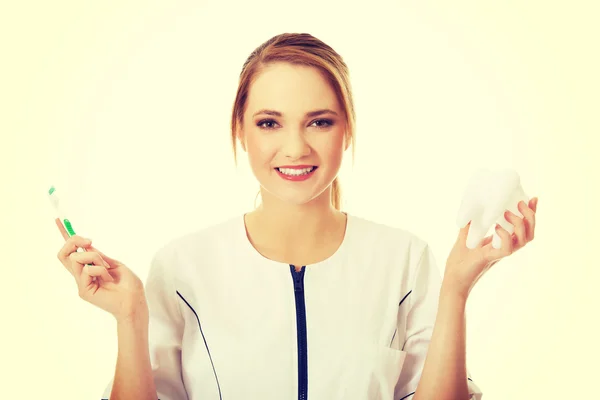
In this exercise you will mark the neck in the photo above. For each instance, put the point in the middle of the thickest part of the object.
(305, 225)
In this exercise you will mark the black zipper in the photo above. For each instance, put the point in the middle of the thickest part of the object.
(298, 277)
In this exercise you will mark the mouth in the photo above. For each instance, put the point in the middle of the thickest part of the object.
(296, 171)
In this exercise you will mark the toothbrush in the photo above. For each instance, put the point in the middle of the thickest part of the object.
(54, 199)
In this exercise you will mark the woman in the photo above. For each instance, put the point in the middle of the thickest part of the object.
(294, 299)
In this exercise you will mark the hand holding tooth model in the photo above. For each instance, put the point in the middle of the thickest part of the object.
(487, 196)
(492, 197)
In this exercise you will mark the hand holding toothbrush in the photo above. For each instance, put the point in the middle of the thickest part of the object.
(101, 280)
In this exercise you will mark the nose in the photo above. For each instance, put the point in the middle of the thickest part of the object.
(295, 145)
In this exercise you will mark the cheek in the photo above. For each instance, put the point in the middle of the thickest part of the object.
(333, 149)
(259, 151)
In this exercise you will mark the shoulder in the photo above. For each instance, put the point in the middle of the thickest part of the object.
(387, 239)
(200, 243)
(372, 231)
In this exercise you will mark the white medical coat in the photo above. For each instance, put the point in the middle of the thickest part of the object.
(226, 323)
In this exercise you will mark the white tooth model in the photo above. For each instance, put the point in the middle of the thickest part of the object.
(487, 196)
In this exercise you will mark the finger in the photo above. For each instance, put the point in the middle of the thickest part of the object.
(463, 232)
(71, 246)
(486, 240)
(78, 260)
(506, 248)
(519, 228)
(533, 204)
(62, 229)
(112, 263)
(85, 283)
(88, 282)
(529, 215)
(95, 271)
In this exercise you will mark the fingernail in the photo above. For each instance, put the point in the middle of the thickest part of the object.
(106, 264)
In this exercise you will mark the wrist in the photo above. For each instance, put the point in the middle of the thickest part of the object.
(135, 315)
(450, 291)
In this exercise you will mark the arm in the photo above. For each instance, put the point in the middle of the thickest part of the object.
(435, 338)
(133, 375)
(444, 373)
(149, 343)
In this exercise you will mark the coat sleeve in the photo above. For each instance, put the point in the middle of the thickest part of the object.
(420, 318)
(165, 333)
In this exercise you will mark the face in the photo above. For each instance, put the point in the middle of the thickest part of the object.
(295, 155)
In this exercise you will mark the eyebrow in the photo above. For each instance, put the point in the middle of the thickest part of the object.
(308, 114)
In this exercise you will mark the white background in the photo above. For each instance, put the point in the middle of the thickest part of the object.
(125, 107)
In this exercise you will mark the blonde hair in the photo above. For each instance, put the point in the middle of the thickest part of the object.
(298, 49)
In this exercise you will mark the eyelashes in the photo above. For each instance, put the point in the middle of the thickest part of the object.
(329, 123)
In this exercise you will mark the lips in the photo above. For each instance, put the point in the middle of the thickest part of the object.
(307, 169)
(296, 166)
(296, 174)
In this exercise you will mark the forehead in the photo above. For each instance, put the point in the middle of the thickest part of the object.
(291, 89)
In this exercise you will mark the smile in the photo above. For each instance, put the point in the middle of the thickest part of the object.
(296, 174)
(296, 171)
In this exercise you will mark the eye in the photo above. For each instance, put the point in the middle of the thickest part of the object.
(328, 123)
(322, 123)
(260, 123)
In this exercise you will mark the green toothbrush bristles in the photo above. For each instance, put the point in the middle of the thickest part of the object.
(51, 190)
(69, 227)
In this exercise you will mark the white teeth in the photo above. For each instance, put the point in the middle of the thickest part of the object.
(295, 172)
